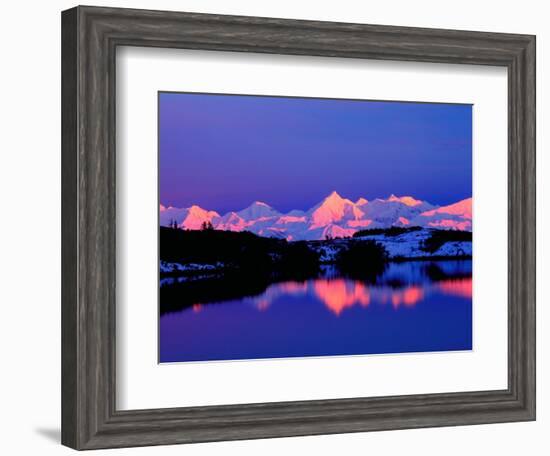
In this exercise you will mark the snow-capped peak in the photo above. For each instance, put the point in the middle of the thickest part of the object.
(333, 209)
(334, 198)
(194, 209)
(258, 209)
(361, 201)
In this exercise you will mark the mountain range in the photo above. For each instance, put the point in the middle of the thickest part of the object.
(333, 217)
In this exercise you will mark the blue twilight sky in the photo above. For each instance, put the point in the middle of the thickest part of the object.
(223, 152)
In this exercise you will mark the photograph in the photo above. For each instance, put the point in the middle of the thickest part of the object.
(298, 227)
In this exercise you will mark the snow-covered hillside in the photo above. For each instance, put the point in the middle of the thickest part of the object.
(333, 217)
(406, 245)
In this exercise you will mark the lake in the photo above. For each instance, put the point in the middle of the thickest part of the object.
(414, 306)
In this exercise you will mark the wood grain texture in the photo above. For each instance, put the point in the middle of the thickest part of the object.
(89, 39)
(69, 229)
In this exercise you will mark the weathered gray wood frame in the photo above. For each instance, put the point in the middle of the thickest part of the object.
(90, 36)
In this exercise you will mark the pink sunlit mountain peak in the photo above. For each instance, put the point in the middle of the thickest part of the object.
(195, 209)
(407, 200)
(333, 209)
(334, 194)
(334, 200)
(334, 217)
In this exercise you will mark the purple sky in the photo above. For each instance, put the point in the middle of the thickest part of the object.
(223, 152)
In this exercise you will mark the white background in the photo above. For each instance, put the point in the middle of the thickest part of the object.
(30, 238)
(144, 384)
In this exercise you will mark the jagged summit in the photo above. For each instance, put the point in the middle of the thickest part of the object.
(334, 195)
(333, 209)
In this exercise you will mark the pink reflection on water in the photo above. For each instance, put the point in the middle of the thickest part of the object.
(407, 297)
(340, 294)
(263, 304)
(458, 287)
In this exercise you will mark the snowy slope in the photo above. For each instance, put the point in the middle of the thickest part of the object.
(258, 210)
(406, 245)
(394, 211)
(455, 216)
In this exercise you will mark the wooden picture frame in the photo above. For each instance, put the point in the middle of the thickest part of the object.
(90, 36)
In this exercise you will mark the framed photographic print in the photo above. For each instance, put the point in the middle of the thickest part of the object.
(316, 273)
(276, 227)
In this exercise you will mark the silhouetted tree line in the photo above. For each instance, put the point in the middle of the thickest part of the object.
(440, 237)
(207, 226)
(392, 231)
(243, 250)
(246, 250)
(362, 260)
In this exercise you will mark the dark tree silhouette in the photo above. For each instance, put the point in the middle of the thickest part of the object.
(207, 226)
(440, 237)
(364, 260)
(392, 231)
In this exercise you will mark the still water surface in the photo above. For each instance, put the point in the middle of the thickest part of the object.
(414, 306)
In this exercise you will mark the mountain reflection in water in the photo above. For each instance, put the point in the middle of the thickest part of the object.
(412, 307)
(340, 294)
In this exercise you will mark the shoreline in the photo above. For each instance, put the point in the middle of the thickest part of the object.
(211, 271)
